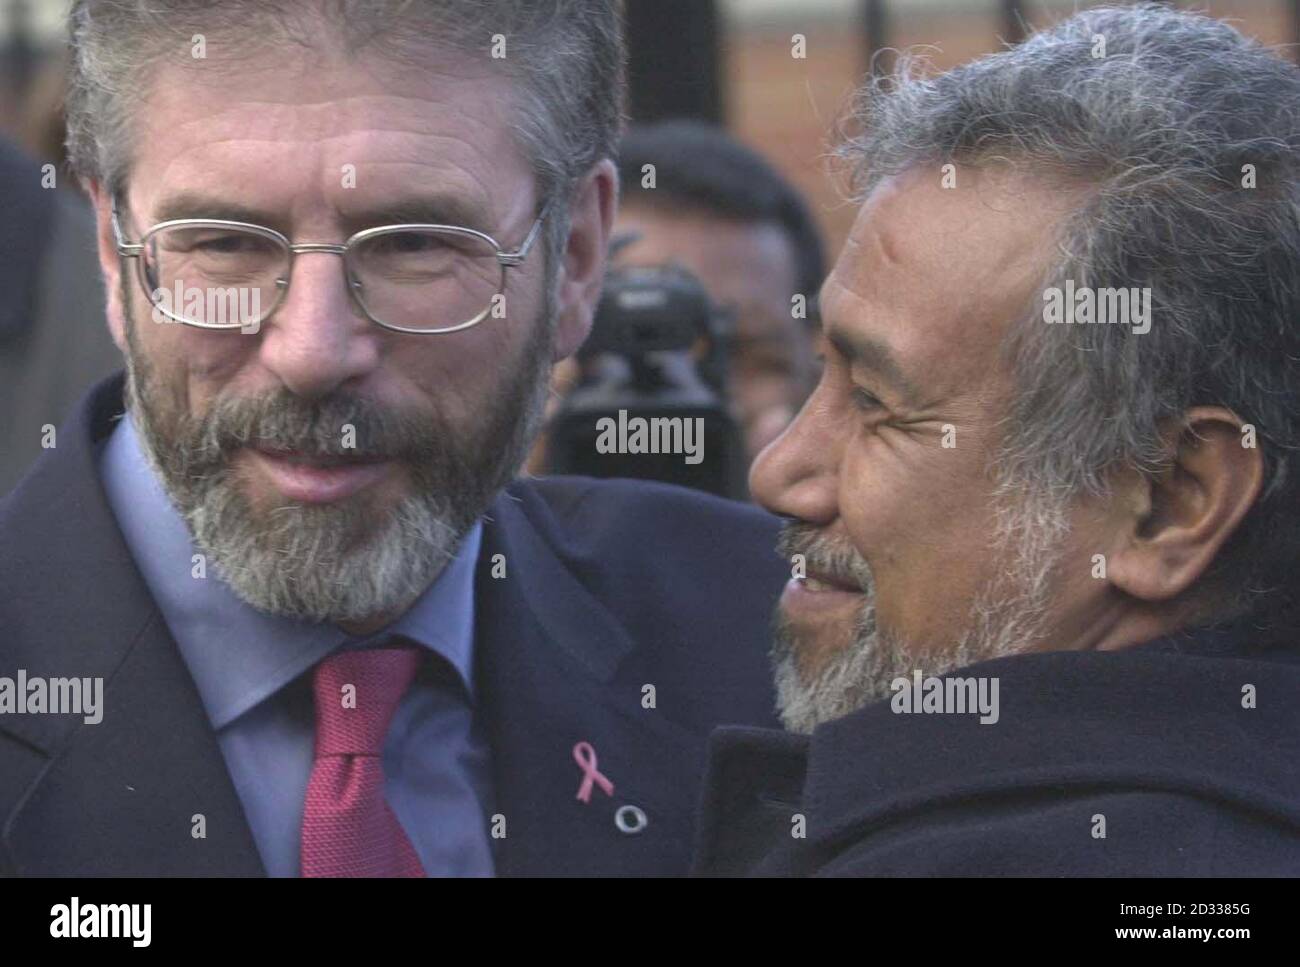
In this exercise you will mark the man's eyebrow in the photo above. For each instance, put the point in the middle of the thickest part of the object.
(441, 209)
(196, 205)
(422, 210)
(874, 355)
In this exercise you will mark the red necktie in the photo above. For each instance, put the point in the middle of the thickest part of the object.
(347, 827)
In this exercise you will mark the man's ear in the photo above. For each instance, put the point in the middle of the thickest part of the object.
(583, 257)
(109, 261)
(1175, 524)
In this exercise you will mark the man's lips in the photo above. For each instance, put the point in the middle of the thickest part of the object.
(316, 459)
(818, 592)
(318, 478)
(820, 581)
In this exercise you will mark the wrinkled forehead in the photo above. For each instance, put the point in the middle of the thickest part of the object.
(939, 268)
(292, 128)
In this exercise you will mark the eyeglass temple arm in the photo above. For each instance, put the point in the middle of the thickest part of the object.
(517, 257)
(124, 248)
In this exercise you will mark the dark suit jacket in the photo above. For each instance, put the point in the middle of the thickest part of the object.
(1155, 740)
(609, 587)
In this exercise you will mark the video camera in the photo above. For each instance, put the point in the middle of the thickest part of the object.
(652, 399)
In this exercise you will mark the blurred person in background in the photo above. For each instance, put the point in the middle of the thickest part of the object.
(718, 209)
(54, 340)
(722, 212)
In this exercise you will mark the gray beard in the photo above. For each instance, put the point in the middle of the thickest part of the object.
(1007, 617)
(338, 562)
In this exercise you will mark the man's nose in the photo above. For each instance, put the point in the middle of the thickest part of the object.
(318, 338)
(798, 474)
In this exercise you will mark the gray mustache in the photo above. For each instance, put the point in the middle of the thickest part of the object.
(318, 429)
(833, 557)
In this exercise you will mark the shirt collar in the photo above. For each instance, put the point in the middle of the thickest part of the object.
(237, 655)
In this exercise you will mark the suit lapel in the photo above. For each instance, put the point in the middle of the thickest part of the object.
(121, 796)
(126, 797)
(549, 657)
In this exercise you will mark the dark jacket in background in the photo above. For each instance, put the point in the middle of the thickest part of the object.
(54, 340)
(1154, 739)
(610, 586)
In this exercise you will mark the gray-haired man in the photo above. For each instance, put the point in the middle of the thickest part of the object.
(1047, 494)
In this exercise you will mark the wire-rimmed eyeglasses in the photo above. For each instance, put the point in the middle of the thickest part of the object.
(412, 278)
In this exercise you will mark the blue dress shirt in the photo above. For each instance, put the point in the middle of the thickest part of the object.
(251, 670)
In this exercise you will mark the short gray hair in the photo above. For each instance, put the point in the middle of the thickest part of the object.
(1161, 128)
(566, 59)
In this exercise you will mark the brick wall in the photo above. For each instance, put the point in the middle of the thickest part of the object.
(785, 107)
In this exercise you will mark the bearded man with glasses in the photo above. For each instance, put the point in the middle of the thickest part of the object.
(344, 244)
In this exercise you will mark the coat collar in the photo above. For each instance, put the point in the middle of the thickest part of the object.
(1163, 715)
(1167, 714)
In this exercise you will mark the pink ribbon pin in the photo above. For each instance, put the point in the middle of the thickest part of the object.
(585, 756)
